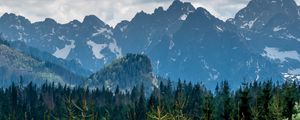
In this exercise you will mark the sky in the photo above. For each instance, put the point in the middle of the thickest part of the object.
(109, 11)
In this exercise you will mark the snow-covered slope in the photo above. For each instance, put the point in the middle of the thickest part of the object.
(69, 41)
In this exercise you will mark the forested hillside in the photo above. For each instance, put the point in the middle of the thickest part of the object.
(15, 65)
(125, 73)
(254, 101)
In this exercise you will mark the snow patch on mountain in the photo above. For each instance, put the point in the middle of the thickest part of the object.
(294, 71)
(96, 49)
(214, 74)
(18, 27)
(157, 65)
(123, 28)
(113, 47)
(64, 52)
(155, 82)
(173, 59)
(183, 17)
(52, 31)
(249, 24)
(204, 64)
(292, 77)
(62, 38)
(283, 56)
(290, 36)
(278, 28)
(257, 71)
(241, 16)
(172, 44)
(20, 36)
(104, 31)
(219, 28)
(273, 1)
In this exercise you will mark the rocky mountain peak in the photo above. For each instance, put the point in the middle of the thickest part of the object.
(259, 12)
(178, 5)
(92, 20)
(13, 18)
(50, 21)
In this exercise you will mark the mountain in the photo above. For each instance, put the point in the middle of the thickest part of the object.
(148, 30)
(207, 49)
(259, 43)
(270, 28)
(90, 42)
(199, 47)
(126, 72)
(73, 66)
(15, 66)
(259, 14)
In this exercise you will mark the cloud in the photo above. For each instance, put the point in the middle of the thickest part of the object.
(110, 11)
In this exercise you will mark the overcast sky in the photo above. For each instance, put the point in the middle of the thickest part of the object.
(110, 11)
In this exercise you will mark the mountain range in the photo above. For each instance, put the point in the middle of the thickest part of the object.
(261, 42)
(21, 68)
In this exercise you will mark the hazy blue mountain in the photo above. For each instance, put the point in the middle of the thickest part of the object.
(259, 13)
(90, 43)
(197, 47)
(72, 66)
(16, 67)
(271, 28)
(260, 42)
(208, 50)
(147, 30)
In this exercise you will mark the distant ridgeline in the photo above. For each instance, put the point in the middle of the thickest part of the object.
(16, 66)
(261, 42)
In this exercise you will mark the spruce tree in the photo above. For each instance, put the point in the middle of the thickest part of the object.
(244, 109)
(207, 106)
(225, 99)
(141, 106)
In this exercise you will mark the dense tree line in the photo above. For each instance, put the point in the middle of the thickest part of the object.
(185, 101)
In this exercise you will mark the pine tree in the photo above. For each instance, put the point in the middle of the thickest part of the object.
(14, 101)
(244, 108)
(207, 106)
(275, 106)
(225, 101)
(141, 110)
(158, 114)
(265, 99)
(289, 97)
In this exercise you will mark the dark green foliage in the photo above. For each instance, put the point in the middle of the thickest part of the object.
(141, 105)
(223, 102)
(255, 101)
(207, 106)
(244, 108)
(289, 99)
(126, 72)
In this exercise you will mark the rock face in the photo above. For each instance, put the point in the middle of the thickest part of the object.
(126, 73)
(259, 43)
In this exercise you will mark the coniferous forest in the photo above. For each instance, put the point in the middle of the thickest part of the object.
(120, 60)
(185, 101)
